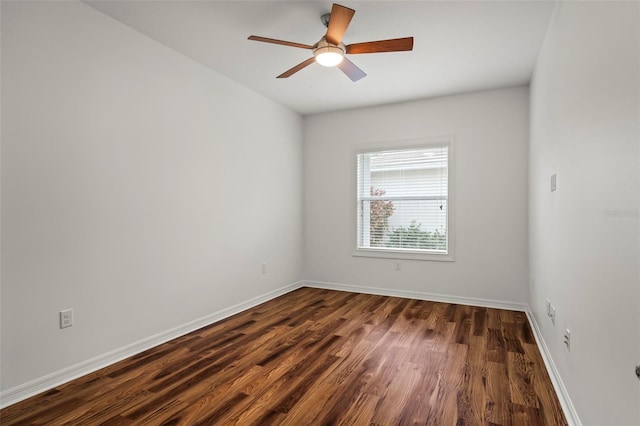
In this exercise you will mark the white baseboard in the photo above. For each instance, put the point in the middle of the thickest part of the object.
(434, 297)
(563, 396)
(561, 391)
(34, 387)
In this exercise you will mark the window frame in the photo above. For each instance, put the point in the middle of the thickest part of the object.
(406, 254)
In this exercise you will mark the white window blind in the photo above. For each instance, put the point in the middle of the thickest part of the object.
(402, 200)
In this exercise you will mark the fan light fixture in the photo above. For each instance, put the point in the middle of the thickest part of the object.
(328, 56)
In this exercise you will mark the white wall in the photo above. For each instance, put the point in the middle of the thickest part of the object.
(584, 236)
(139, 188)
(490, 179)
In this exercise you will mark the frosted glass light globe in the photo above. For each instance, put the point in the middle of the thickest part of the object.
(328, 56)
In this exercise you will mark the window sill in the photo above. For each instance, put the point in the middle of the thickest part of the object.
(409, 255)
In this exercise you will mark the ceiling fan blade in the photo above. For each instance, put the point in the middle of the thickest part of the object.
(393, 45)
(338, 23)
(297, 68)
(282, 42)
(351, 70)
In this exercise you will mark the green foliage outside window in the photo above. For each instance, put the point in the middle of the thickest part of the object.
(412, 237)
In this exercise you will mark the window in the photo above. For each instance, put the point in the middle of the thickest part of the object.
(403, 202)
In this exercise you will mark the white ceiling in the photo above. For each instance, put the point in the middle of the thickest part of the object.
(459, 46)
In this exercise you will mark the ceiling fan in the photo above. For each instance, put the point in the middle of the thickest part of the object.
(330, 51)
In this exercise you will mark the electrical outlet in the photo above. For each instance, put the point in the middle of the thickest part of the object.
(554, 179)
(264, 268)
(397, 266)
(66, 318)
(567, 339)
(548, 308)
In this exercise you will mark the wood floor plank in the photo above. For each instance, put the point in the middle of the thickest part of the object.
(479, 321)
(321, 357)
(360, 412)
(397, 397)
(526, 416)
(472, 397)
(548, 405)
(444, 402)
(159, 416)
(359, 378)
(521, 378)
(498, 407)
(496, 348)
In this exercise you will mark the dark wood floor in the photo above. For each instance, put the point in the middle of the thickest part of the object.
(321, 357)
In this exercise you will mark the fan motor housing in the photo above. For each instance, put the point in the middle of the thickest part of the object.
(323, 43)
